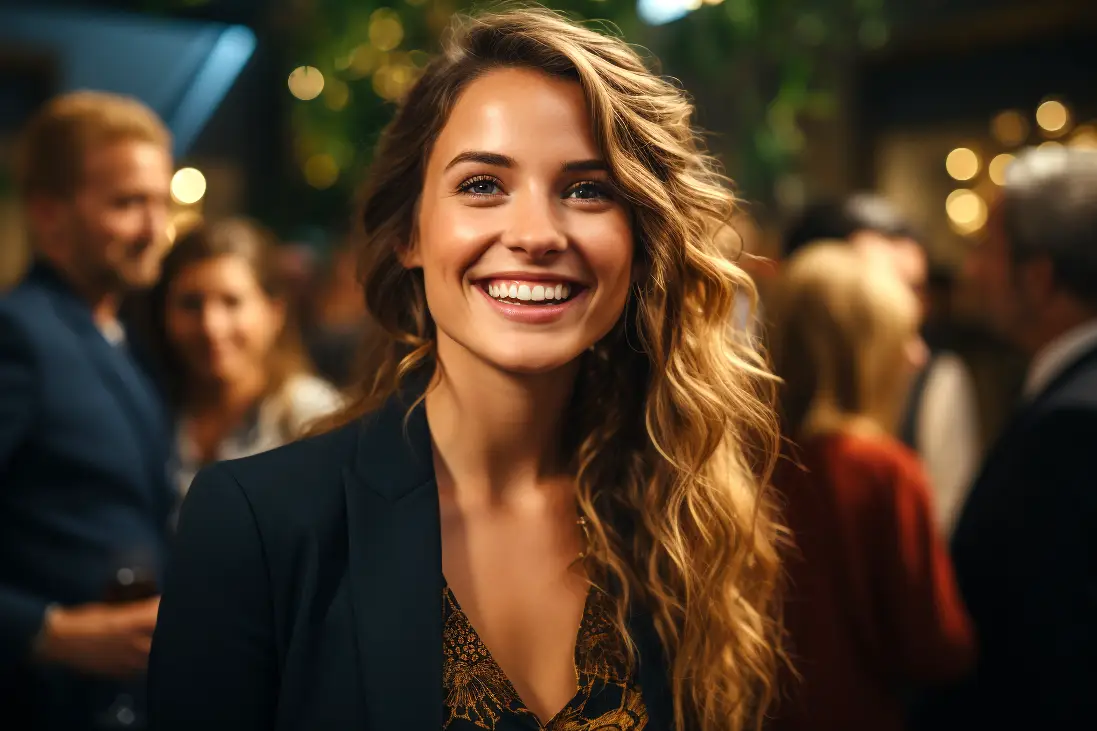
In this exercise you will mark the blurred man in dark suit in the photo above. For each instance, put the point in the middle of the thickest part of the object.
(1025, 547)
(84, 444)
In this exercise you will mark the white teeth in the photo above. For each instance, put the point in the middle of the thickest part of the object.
(527, 292)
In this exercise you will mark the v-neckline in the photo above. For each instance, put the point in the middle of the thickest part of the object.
(576, 661)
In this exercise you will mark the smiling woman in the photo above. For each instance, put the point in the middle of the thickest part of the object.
(547, 504)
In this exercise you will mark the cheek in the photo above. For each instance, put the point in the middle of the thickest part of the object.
(181, 326)
(448, 243)
(256, 329)
(611, 255)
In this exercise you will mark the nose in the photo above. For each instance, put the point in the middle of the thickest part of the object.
(155, 221)
(214, 322)
(534, 227)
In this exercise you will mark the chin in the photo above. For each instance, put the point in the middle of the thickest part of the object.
(530, 361)
(138, 279)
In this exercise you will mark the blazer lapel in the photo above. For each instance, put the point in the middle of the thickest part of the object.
(396, 568)
(652, 670)
(133, 392)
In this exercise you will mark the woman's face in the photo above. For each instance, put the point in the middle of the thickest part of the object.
(219, 320)
(525, 248)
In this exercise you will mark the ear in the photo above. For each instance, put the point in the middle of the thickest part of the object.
(410, 254)
(44, 215)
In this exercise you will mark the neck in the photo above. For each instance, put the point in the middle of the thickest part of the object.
(496, 432)
(225, 397)
(101, 299)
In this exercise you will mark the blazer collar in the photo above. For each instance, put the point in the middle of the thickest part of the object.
(395, 564)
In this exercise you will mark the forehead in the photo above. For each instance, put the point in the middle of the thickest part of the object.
(215, 272)
(126, 162)
(522, 113)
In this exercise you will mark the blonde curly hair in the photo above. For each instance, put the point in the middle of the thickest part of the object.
(674, 429)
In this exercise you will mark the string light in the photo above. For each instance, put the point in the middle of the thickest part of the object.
(1010, 128)
(1053, 116)
(321, 171)
(306, 82)
(962, 163)
(188, 185)
(966, 210)
(997, 168)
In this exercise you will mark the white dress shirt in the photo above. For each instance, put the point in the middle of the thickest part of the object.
(948, 437)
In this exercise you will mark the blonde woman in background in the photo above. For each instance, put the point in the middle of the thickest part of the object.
(547, 509)
(228, 352)
(872, 609)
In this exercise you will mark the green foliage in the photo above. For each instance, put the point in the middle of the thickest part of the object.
(767, 64)
(774, 62)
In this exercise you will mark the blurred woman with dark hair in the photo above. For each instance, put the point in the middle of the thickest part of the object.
(228, 352)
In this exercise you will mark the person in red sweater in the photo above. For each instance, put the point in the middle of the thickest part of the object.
(872, 610)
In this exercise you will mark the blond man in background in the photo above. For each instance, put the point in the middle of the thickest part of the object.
(84, 445)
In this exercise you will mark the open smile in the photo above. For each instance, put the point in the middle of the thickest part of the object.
(532, 301)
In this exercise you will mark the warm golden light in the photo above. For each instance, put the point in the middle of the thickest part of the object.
(1085, 137)
(386, 32)
(321, 171)
(188, 185)
(392, 81)
(997, 168)
(962, 164)
(1050, 145)
(306, 82)
(1053, 116)
(1009, 128)
(336, 95)
(966, 210)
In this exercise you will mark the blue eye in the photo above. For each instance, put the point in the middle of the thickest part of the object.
(480, 186)
(587, 190)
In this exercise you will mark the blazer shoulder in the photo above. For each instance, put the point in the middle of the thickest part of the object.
(298, 483)
(24, 304)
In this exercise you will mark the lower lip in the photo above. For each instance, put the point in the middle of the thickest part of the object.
(532, 314)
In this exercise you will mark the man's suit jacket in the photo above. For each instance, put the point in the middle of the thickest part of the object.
(1025, 552)
(305, 591)
(84, 490)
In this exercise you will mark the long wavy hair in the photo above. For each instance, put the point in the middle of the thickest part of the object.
(674, 429)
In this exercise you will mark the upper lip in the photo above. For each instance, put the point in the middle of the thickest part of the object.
(531, 277)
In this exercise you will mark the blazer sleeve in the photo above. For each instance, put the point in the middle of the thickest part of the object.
(213, 663)
(926, 622)
(20, 613)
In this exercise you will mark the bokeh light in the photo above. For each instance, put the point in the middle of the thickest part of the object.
(967, 211)
(306, 82)
(962, 163)
(188, 185)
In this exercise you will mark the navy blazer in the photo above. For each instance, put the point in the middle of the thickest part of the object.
(305, 591)
(1025, 552)
(84, 488)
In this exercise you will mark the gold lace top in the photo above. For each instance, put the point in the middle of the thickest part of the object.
(478, 694)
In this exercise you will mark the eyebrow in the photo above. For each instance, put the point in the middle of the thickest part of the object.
(504, 161)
